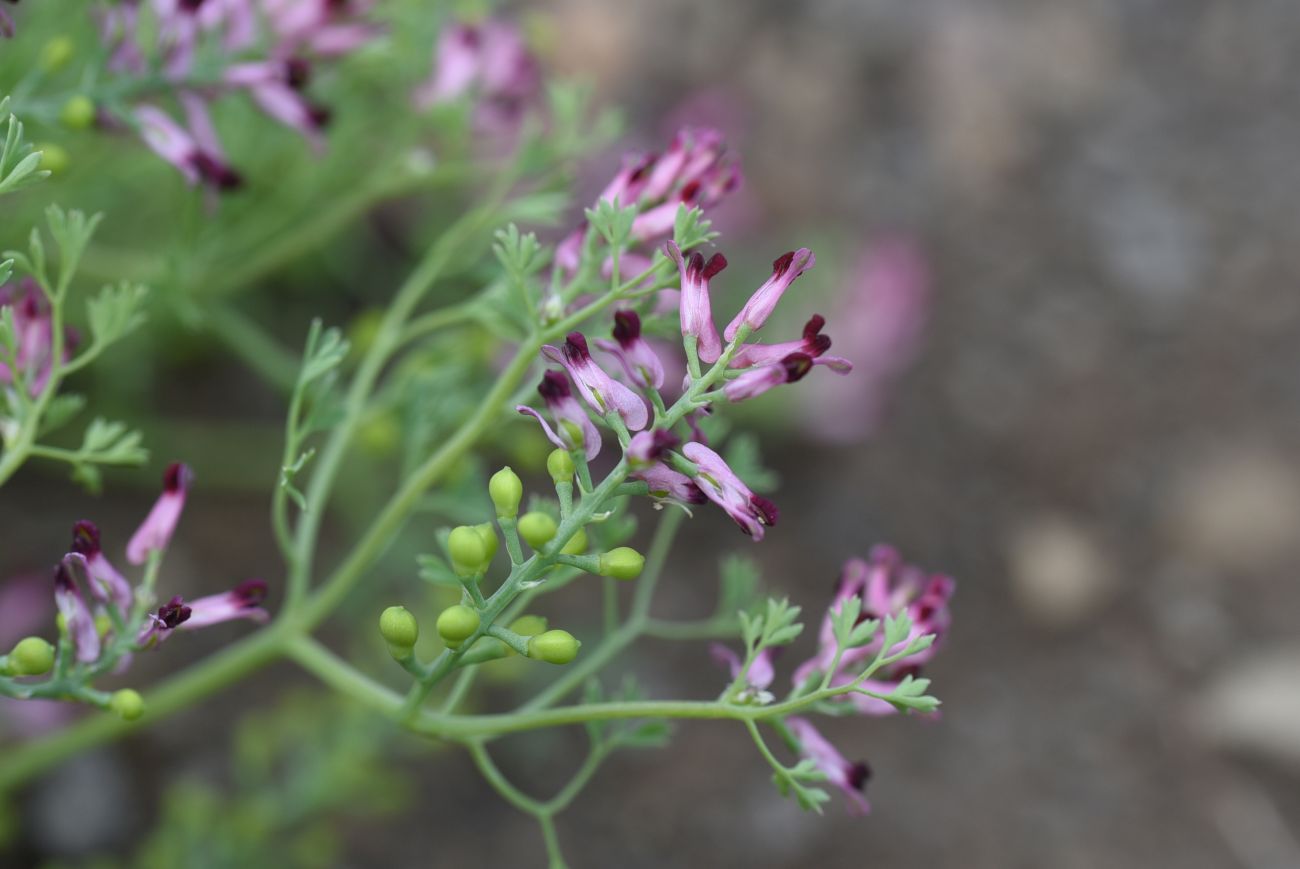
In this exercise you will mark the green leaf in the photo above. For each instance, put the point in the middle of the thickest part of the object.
(691, 228)
(436, 570)
(115, 312)
(742, 456)
(738, 577)
(61, 409)
(613, 220)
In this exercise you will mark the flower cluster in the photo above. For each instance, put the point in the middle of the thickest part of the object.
(695, 171)
(879, 587)
(98, 606)
(207, 49)
(489, 61)
(32, 356)
(678, 467)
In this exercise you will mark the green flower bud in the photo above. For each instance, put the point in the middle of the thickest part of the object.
(577, 543)
(381, 435)
(506, 491)
(468, 554)
(554, 647)
(78, 112)
(56, 53)
(529, 626)
(490, 542)
(560, 466)
(53, 157)
(400, 630)
(31, 657)
(622, 563)
(127, 703)
(457, 624)
(103, 624)
(537, 528)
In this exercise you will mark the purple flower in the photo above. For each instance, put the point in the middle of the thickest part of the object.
(638, 358)
(668, 485)
(241, 602)
(493, 62)
(813, 344)
(753, 513)
(648, 447)
(886, 586)
(760, 675)
(759, 380)
(696, 309)
(601, 392)
(77, 616)
(183, 149)
(879, 325)
(760, 305)
(156, 530)
(276, 86)
(34, 330)
(6, 23)
(850, 778)
(105, 582)
(575, 428)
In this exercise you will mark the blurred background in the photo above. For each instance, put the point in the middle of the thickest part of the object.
(1090, 419)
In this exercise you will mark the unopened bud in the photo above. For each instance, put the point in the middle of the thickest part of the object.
(127, 703)
(529, 626)
(468, 554)
(577, 543)
(78, 112)
(537, 528)
(560, 466)
(56, 53)
(506, 491)
(554, 647)
(490, 542)
(400, 630)
(31, 657)
(54, 158)
(456, 624)
(622, 563)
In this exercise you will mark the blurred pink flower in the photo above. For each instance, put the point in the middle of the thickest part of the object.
(879, 324)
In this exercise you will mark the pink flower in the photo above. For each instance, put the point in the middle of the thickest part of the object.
(182, 147)
(276, 87)
(638, 358)
(492, 62)
(850, 778)
(106, 583)
(753, 513)
(760, 306)
(760, 675)
(241, 602)
(668, 485)
(601, 392)
(886, 586)
(648, 447)
(695, 307)
(756, 381)
(813, 344)
(34, 330)
(575, 428)
(879, 326)
(77, 617)
(156, 530)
